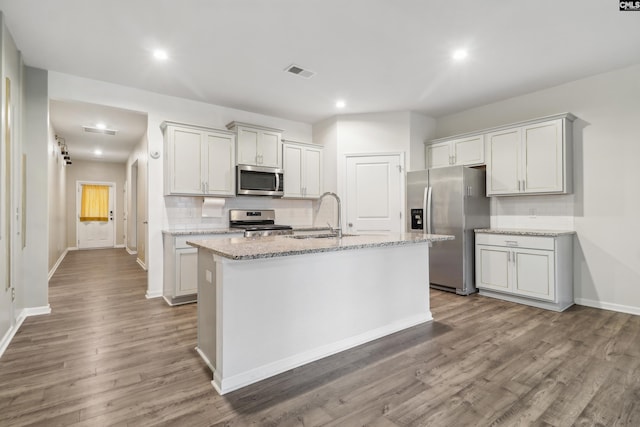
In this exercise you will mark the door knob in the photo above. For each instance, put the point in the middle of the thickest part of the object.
(350, 224)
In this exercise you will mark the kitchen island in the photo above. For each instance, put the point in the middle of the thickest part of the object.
(269, 304)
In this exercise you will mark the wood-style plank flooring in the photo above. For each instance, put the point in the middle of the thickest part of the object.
(108, 356)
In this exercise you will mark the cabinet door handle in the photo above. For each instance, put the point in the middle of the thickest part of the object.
(511, 242)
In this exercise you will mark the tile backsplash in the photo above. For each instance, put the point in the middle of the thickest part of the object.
(551, 212)
(186, 212)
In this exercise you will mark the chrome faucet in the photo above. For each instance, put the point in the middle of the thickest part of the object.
(338, 229)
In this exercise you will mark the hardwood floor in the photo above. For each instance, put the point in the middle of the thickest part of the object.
(108, 356)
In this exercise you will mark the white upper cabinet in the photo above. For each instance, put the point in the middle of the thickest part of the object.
(504, 158)
(533, 158)
(302, 166)
(460, 151)
(258, 146)
(199, 161)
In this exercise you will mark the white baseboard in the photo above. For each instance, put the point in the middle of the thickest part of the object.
(130, 252)
(119, 246)
(57, 264)
(141, 264)
(154, 294)
(24, 313)
(242, 379)
(608, 306)
(72, 248)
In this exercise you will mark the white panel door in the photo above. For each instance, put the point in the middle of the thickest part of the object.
(96, 234)
(269, 149)
(219, 164)
(469, 151)
(292, 165)
(543, 161)
(373, 189)
(247, 146)
(438, 155)
(312, 172)
(503, 168)
(186, 161)
(535, 273)
(186, 271)
(493, 268)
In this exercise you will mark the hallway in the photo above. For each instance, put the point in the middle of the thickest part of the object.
(106, 354)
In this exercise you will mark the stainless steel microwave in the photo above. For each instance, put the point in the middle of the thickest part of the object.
(259, 181)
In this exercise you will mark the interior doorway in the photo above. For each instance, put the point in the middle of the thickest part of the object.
(95, 213)
(132, 217)
(374, 193)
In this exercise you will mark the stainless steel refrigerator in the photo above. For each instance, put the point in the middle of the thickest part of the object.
(449, 200)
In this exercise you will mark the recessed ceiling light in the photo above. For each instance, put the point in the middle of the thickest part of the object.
(97, 152)
(160, 54)
(459, 54)
(341, 104)
(101, 126)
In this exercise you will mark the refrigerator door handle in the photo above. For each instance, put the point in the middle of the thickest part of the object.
(428, 210)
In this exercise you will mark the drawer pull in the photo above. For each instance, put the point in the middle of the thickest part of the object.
(511, 242)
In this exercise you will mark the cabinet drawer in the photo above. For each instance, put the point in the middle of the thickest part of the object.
(516, 241)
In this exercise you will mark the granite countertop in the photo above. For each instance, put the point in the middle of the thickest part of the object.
(181, 231)
(240, 248)
(524, 232)
(196, 231)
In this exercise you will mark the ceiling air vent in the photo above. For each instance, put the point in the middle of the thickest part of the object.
(299, 71)
(92, 129)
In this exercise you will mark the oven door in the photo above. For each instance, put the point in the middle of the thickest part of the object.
(260, 181)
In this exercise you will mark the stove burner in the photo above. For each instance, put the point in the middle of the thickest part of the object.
(257, 223)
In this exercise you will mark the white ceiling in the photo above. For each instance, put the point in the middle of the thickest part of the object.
(68, 119)
(378, 55)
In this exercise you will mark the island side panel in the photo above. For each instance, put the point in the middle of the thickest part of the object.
(279, 313)
(207, 326)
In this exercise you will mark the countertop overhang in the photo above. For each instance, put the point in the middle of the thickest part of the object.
(241, 248)
(524, 232)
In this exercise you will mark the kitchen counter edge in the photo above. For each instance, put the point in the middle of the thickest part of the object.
(198, 231)
(524, 232)
(279, 246)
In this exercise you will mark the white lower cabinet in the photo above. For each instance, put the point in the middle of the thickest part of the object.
(180, 282)
(534, 270)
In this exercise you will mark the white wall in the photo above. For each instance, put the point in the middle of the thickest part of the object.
(36, 148)
(605, 203)
(138, 157)
(10, 186)
(160, 108)
(57, 196)
(372, 133)
(422, 128)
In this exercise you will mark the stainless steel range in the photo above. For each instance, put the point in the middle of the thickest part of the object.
(257, 223)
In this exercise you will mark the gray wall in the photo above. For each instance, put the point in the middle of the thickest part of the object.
(605, 203)
(35, 146)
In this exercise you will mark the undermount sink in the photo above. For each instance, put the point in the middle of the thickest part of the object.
(318, 236)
